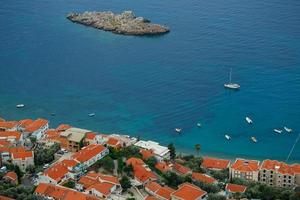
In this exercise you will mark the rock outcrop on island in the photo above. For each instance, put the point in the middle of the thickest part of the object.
(125, 23)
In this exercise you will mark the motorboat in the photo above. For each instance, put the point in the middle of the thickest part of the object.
(227, 137)
(92, 114)
(199, 124)
(178, 130)
(20, 105)
(277, 130)
(288, 129)
(253, 139)
(249, 120)
(231, 85)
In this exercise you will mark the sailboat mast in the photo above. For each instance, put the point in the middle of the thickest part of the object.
(230, 75)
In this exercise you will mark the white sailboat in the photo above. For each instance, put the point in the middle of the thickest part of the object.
(20, 105)
(288, 129)
(277, 130)
(231, 85)
(178, 130)
(249, 120)
(92, 114)
(254, 139)
(199, 124)
(227, 137)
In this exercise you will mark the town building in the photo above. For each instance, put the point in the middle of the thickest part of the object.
(204, 178)
(158, 191)
(74, 138)
(163, 166)
(230, 189)
(215, 163)
(56, 192)
(188, 191)
(8, 125)
(23, 159)
(245, 169)
(13, 137)
(11, 177)
(280, 174)
(180, 169)
(161, 153)
(37, 128)
(99, 185)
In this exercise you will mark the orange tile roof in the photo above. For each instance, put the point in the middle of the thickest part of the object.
(283, 168)
(10, 134)
(12, 149)
(63, 127)
(8, 124)
(25, 122)
(296, 168)
(69, 163)
(86, 181)
(61, 193)
(103, 188)
(143, 174)
(151, 198)
(235, 188)
(88, 152)
(152, 186)
(146, 153)
(63, 141)
(165, 192)
(181, 169)
(187, 191)
(113, 142)
(134, 161)
(4, 143)
(11, 175)
(162, 166)
(5, 198)
(51, 133)
(245, 165)
(90, 136)
(36, 125)
(22, 155)
(109, 179)
(57, 172)
(215, 163)
(203, 178)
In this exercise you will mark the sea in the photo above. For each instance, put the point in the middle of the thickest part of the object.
(148, 86)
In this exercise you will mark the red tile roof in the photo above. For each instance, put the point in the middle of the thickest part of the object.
(143, 174)
(5, 198)
(52, 133)
(25, 122)
(165, 192)
(8, 124)
(103, 188)
(245, 165)
(151, 198)
(134, 161)
(22, 155)
(63, 127)
(90, 136)
(11, 175)
(4, 143)
(233, 188)
(187, 191)
(10, 134)
(215, 163)
(146, 153)
(281, 167)
(296, 168)
(162, 166)
(203, 178)
(113, 142)
(36, 125)
(57, 172)
(181, 169)
(152, 186)
(61, 193)
(88, 152)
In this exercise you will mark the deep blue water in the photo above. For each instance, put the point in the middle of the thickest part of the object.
(147, 86)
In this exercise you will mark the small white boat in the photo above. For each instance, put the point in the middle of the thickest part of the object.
(20, 105)
(199, 124)
(231, 85)
(288, 129)
(253, 139)
(92, 114)
(277, 130)
(227, 137)
(178, 130)
(249, 120)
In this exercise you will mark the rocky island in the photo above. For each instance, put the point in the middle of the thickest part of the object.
(125, 23)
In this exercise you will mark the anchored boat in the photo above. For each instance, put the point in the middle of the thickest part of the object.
(249, 120)
(227, 137)
(20, 105)
(288, 129)
(231, 85)
(277, 130)
(253, 139)
(178, 130)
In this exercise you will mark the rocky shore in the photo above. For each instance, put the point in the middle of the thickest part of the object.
(125, 23)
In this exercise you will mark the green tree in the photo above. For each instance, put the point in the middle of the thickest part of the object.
(30, 169)
(172, 149)
(108, 163)
(125, 183)
(198, 148)
(128, 169)
(212, 196)
(69, 184)
(151, 162)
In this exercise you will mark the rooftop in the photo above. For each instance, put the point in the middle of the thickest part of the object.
(8, 124)
(187, 191)
(157, 149)
(36, 125)
(22, 155)
(181, 169)
(235, 188)
(203, 178)
(11, 175)
(74, 134)
(245, 165)
(88, 152)
(10, 135)
(215, 163)
(162, 166)
(281, 167)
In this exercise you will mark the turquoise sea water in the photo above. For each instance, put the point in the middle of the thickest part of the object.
(147, 86)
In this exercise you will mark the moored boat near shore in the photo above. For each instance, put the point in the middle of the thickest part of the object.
(277, 130)
(20, 105)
